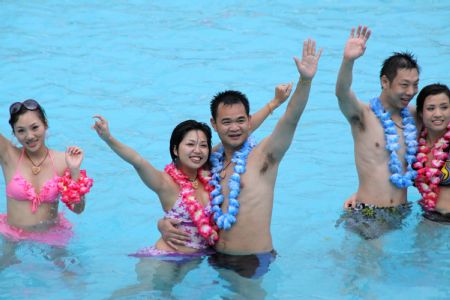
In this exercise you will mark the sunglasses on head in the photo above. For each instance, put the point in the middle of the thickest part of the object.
(29, 104)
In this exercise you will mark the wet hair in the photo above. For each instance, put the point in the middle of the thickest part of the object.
(398, 60)
(180, 131)
(14, 117)
(429, 90)
(229, 98)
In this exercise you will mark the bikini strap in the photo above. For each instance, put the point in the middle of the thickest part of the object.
(19, 161)
(53, 163)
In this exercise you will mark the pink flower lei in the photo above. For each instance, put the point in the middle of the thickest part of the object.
(72, 191)
(205, 225)
(429, 177)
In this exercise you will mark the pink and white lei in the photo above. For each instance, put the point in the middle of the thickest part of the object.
(206, 227)
(428, 177)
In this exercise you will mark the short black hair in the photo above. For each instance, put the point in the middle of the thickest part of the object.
(398, 60)
(180, 131)
(229, 97)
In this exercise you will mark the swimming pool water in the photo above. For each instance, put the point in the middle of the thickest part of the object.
(147, 65)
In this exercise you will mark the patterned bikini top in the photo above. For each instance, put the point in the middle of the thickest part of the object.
(179, 212)
(22, 190)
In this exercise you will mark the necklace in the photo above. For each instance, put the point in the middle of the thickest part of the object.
(226, 220)
(197, 212)
(36, 168)
(429, 177)
(398, 126)
(391, 137)
(194, 183)
(223, 173)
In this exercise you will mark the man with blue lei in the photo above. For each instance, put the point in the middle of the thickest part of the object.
(385, 139)
(244, 174)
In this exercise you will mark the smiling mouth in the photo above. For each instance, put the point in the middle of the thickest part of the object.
(196, 159)
(234, 136)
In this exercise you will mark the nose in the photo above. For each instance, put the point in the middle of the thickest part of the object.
(438, 112)
(197, 148)
(234, 126)
(411, 90)
(29, 135)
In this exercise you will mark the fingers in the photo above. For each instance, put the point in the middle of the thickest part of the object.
(319, 53)
(101, 121)
(362, 32)
(74, 150)
(172, 245)
(368, 33)
(309, 49)
(101, 118)
(358, 31)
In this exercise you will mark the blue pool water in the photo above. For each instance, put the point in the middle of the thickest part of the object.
(147, 65)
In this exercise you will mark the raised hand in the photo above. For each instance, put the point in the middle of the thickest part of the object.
(74, 157)
(356, 44)
(101, 127)
(307, 67)
(282, 92)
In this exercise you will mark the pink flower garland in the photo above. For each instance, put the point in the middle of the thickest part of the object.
(205, 225)
(429, 177)
(72, 191)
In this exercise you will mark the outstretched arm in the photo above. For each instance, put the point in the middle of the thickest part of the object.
(149, 175)
(354, 48)
(280, 139)
(282, 92)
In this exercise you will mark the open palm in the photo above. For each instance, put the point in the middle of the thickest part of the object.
(307, 67)
(74, 157)
(356, 44)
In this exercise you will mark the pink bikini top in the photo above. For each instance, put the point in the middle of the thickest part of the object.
(20, 189)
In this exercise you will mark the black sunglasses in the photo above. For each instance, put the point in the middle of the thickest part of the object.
(29, 104)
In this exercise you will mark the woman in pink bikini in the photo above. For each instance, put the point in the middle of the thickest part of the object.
(36, 177)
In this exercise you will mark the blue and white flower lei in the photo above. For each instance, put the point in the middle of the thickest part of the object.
(391, 137)
(226, 220)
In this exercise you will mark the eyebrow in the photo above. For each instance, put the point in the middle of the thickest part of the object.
(32, 124)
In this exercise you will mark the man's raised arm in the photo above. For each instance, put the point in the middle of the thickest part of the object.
(280, 139)
(354, 48)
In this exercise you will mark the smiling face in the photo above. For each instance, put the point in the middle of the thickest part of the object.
(402, 89)
(192, 152)
(436, 113)
(29, 129)
(232, 124)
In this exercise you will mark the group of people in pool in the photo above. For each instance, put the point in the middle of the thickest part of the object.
(221, 197)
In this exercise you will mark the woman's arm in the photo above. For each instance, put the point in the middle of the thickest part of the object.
(282, 92)
(153, 178)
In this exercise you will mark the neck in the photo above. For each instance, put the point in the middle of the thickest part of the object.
(37, 154)
(433, 136)
(387, 107)
(190, 173)
(229, 151)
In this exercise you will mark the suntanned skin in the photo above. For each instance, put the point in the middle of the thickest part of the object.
(371, 157)
(251, 233)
